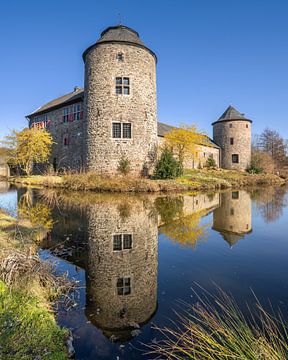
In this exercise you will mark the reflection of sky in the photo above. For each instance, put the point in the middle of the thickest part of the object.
(8, 202)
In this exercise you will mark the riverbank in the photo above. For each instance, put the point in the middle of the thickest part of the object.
(192, 180)
(28, 329)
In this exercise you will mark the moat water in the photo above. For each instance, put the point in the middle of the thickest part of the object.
(135, 257)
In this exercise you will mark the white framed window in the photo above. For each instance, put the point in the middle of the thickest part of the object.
(122, 242)
(121, 130)
(122, 85)
(124, 286)
(120, 57)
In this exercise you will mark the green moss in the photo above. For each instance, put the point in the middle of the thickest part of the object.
(28, 328)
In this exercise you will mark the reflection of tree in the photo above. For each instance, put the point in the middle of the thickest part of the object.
(182, 228)
(270, 202)
(39, 215)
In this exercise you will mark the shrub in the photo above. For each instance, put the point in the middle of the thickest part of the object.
(167, 166)
(210, 163)
(124, 166)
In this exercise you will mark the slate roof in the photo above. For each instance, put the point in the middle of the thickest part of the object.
(119, 34)
(231, 114)
(72, 97)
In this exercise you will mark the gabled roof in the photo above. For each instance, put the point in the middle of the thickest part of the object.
(72, 97)
(119, 34)
(231, 114)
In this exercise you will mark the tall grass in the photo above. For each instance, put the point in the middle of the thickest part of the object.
(215, 328)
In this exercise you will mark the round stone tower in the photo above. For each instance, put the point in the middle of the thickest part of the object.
(232, 132)
(233, 219)
(120, 103)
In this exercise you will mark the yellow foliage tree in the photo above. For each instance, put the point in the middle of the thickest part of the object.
(29, 146)
(185, 141)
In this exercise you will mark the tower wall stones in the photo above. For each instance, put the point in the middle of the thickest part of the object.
(117, 306)
(103, 106)
(240, 132)
(233, 219)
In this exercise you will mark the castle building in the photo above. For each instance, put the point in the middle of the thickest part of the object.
(115, 116)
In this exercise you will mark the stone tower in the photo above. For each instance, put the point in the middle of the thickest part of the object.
(232, 132)
(120, 102)
(122, 264)
(233, 219)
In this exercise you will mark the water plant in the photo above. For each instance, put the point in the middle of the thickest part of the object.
(216, 329)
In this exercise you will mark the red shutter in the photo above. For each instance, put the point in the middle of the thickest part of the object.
(81, 115)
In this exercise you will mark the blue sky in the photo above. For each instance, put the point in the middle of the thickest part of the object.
(211, 53)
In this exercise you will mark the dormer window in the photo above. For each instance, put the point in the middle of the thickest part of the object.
(120, 57)
(122, 86)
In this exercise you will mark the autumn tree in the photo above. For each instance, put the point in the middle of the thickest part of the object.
(185, 141)
(28, 147)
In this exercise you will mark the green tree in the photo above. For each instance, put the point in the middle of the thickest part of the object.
(167, 166)
(28, 147)
(210, 163)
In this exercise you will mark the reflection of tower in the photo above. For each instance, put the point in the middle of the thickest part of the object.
(122, 265)
(233, 218)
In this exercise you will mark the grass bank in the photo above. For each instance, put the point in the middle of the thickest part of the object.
(27, 327)
(191, 180)
(28, 287)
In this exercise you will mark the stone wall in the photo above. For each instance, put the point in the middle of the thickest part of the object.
(103, 106)
(4, 168)
(240, 131)
(234, 216)
(66, 154)
(200, 158)
(116, 314)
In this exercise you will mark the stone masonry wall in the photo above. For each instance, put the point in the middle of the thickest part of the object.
(120, 215)
(103, 106)
(241, 133)
(69, 154)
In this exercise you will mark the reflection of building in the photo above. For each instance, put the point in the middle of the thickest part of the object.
(233, 219)
(122, 265)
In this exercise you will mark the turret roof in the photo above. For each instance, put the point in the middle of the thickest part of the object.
(231, 114)
(119, 34)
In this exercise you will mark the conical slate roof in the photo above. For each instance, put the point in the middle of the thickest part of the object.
(231, 114)
(119, 34)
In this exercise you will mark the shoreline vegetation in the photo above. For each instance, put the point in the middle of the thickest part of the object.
(191, 180)
(28, 289)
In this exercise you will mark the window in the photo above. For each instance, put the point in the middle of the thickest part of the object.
(122, 85)
(120, 57)
(65, 117)
(117, 242)
(247, 126)
(116, 130)
(124, 286)
(231, 211)
(127, 241)
(230, 125)
(235, 195)
(121, 130)
(126, 131)
(231, 141)
(40, 122)
(77, 112)
(122, 242)
(235, 158)
(65, 140)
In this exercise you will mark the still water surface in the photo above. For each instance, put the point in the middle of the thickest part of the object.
(135, 257)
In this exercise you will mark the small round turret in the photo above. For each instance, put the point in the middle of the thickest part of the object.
(232, 132)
